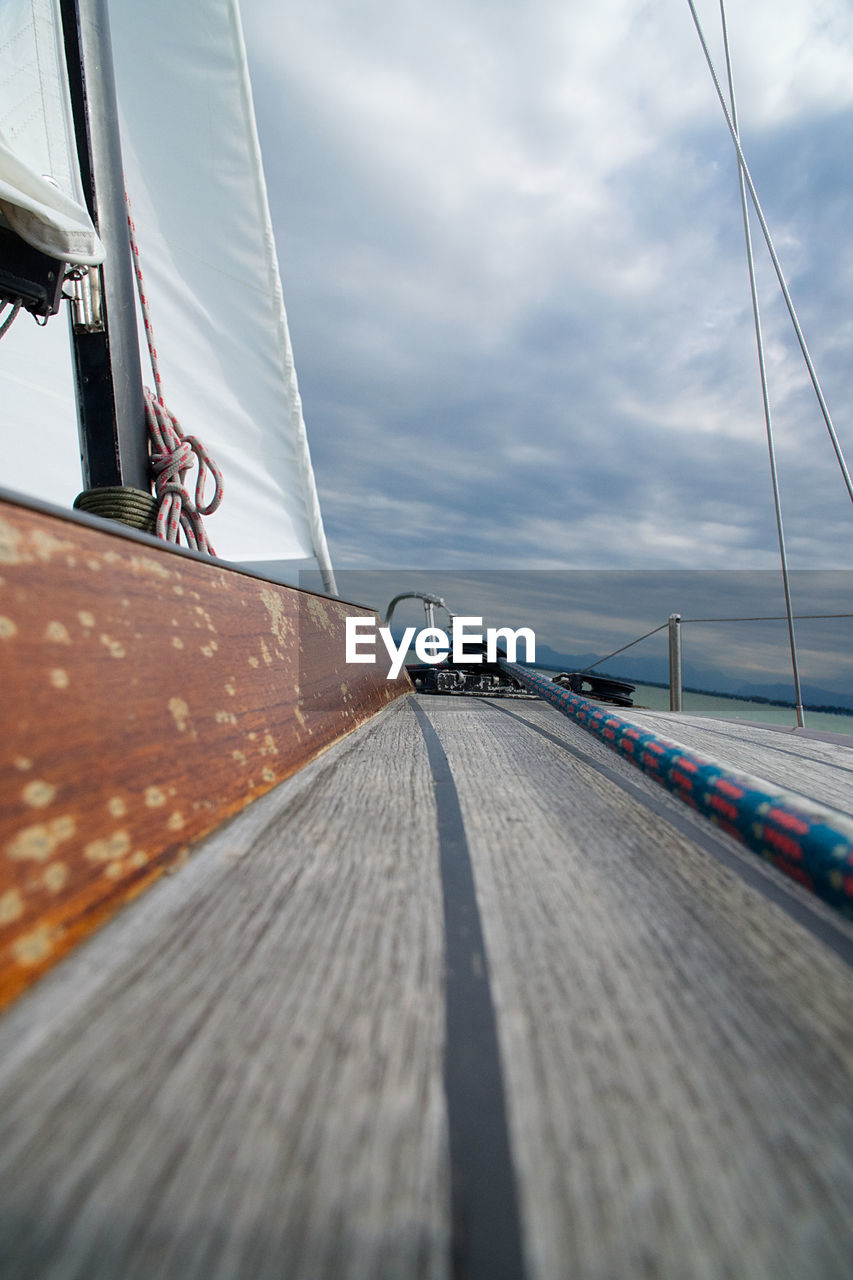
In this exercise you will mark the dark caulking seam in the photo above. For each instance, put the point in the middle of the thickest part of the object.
(486, 1231)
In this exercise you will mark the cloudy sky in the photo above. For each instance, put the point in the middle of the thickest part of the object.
(512, 252)
(588, 614)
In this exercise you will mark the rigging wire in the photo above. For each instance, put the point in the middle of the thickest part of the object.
(598, 661)
(6, 325)
(764, 618)
(799, 617)
(762, 367)
(774, 257)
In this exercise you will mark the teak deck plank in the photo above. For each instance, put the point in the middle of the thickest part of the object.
(823, 771)
(146, 696)
(253, 1087)
(679, 1053)
(242, 1074)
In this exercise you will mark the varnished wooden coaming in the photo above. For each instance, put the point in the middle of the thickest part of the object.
(146, 696)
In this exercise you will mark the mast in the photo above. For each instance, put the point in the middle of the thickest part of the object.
(111, 408)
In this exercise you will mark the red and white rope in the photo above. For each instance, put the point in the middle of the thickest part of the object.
(172, 453)
(172, 457)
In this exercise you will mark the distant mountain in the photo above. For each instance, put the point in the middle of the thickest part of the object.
(813, 694)
(649, 670)
(694, 676)
(554, 661)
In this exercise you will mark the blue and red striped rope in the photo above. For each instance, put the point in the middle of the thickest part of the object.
(811, 843)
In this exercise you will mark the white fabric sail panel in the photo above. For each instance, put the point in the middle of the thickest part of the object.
(41, 195)
(194, 179)
(38, 413)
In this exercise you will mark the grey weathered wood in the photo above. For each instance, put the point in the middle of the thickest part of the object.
(679, 1053)
(750, 749)
(253, 1087)
(242, 1076)
(822, 770)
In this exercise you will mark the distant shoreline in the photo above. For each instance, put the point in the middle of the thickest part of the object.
(824, 708)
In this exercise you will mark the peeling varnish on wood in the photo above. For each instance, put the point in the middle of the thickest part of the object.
(109, 848)
(94, 752)
(324, 614)
(281, 626)
(46, 545)
(55, 877)
(149, 565)
(10, 544)
(38, 794)
(203, 613)
(114, 647)
(57, 633)
(38, 842)
(35, 947)
(179, 712)
(11, 906)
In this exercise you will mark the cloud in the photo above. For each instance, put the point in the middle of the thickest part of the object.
(513, 260)
(593, 613)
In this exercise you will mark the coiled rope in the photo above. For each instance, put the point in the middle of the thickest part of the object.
(172, 453)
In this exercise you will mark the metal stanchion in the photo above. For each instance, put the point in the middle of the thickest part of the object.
(675, 662)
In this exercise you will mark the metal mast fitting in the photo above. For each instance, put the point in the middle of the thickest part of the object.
(111, 409)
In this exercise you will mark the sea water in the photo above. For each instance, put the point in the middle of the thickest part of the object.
(708, 704)
(656, 698)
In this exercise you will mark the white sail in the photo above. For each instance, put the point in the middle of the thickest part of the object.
(195, 182)
(41, 196)
(194, 177)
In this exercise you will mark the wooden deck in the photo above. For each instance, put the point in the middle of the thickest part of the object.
(468, 996)
(818, 766)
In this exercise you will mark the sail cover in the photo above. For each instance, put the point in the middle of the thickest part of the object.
(195, 182)
(41, 195)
